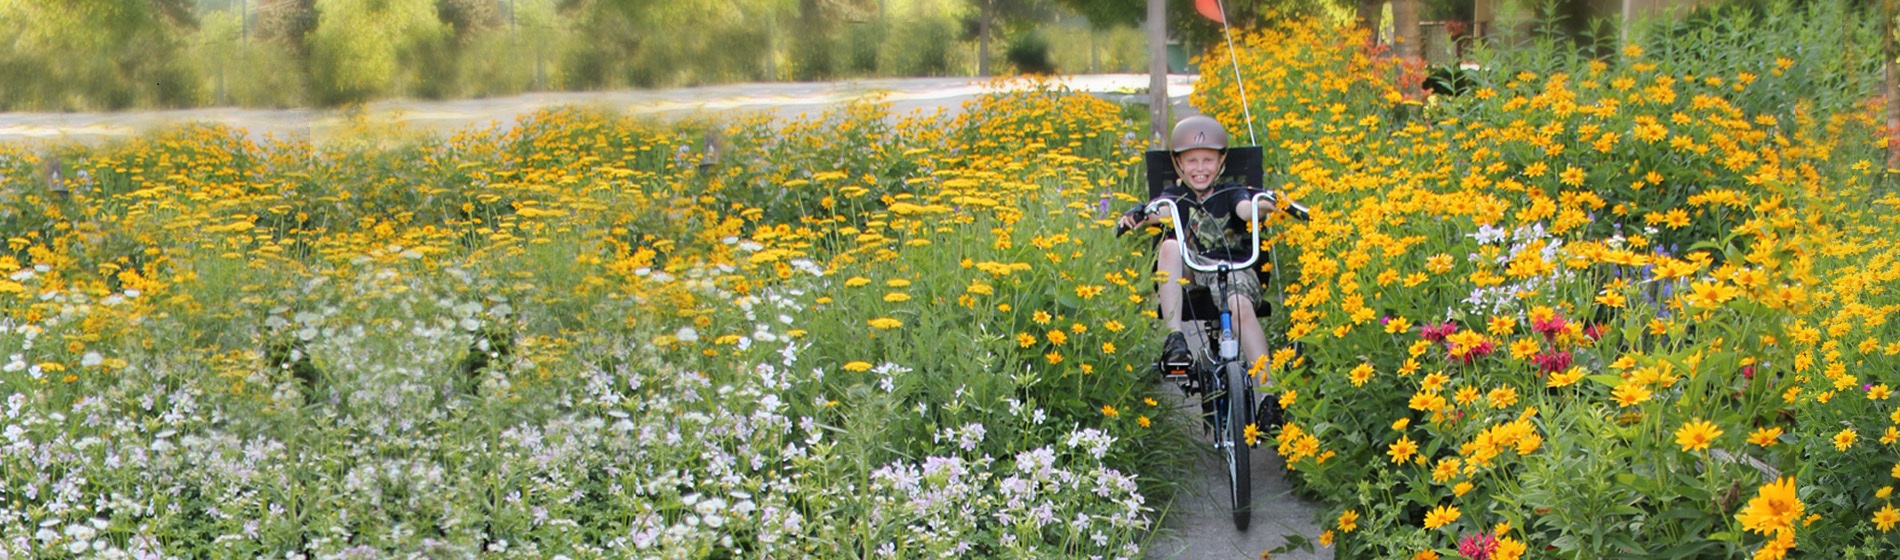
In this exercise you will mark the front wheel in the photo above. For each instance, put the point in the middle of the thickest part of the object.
(1239, 469)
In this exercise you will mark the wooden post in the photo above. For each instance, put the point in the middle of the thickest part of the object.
(1158, 72)
(1888, 52)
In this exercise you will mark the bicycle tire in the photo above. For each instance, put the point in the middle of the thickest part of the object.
(1239, 454)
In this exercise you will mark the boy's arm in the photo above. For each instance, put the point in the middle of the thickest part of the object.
(1245, 207)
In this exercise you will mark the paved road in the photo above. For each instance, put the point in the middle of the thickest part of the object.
(1198, 527)
(783, 100)
(1201, 525)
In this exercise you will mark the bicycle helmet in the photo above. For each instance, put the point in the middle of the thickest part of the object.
(1198, 131)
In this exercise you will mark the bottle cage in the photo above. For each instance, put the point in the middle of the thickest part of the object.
(1243, 164)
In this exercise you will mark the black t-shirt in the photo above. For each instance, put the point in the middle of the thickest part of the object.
(1214, 230)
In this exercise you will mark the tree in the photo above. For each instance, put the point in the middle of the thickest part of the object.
(95, 54)
(359, 48)
(1010, 16)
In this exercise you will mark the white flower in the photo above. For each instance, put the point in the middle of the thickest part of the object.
(91, 359)
(687, 334)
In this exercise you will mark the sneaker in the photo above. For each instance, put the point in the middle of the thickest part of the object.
(1175, 360)
(1268, 414)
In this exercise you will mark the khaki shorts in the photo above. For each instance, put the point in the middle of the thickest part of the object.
(1244, 282)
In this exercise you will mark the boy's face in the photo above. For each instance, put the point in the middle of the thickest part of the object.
(1199, 167)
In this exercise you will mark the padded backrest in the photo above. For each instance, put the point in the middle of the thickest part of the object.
(1243, 164)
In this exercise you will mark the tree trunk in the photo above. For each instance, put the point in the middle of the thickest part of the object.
(1405, 28)
(983, 38)
(1368, 17)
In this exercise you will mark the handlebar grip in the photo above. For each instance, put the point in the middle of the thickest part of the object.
(1298, 211)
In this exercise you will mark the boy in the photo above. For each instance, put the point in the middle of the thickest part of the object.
(1215, 214)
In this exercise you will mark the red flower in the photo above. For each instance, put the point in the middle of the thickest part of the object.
(1478, 546)
(1594, 331)
(1437, 333)
(1549, 327)
(1552, 362)
(1473, 353)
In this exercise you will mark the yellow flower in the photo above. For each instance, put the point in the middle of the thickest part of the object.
(1460, 489)
(1766, 437)
(1108, 348)
(1502, 397)
(1348, 520)
(1113, 326)
(857, 366)
(1845, 439)
(1252, 434)
(1509, 549)
(1696, 436)
(1441, 516)
(1883, 492)
(896, 297)
(1886, 517)
(1571, 176)
(1109, 411)
(1143, 421)
(1041, 317)
(1402, 449)
(1058, 338)
(856, 281)
(1401, 423)
(1361, 374)
(1567, 378)
(1024, 340)
(1326, 537)
(1774, 508)
(1631, 393)
(1054, 357)
(885, 323)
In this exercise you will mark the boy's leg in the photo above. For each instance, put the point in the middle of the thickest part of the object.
(1253, 341)
(1175, 357)
(1168, 261)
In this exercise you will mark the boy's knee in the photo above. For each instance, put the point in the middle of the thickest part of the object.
(1241, 305)
(1170, 247)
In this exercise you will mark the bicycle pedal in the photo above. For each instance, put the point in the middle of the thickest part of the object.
(1176, 372)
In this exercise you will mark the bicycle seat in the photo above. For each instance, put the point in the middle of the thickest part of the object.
(1198, 305)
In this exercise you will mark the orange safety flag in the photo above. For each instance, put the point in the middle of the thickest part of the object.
(1211, 9)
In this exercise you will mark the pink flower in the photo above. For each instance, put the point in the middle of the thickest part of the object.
(1478, 546)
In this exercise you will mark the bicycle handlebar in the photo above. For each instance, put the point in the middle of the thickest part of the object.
(1289, 207)
(1188, 257)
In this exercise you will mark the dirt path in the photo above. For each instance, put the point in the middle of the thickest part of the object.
(783, 100)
